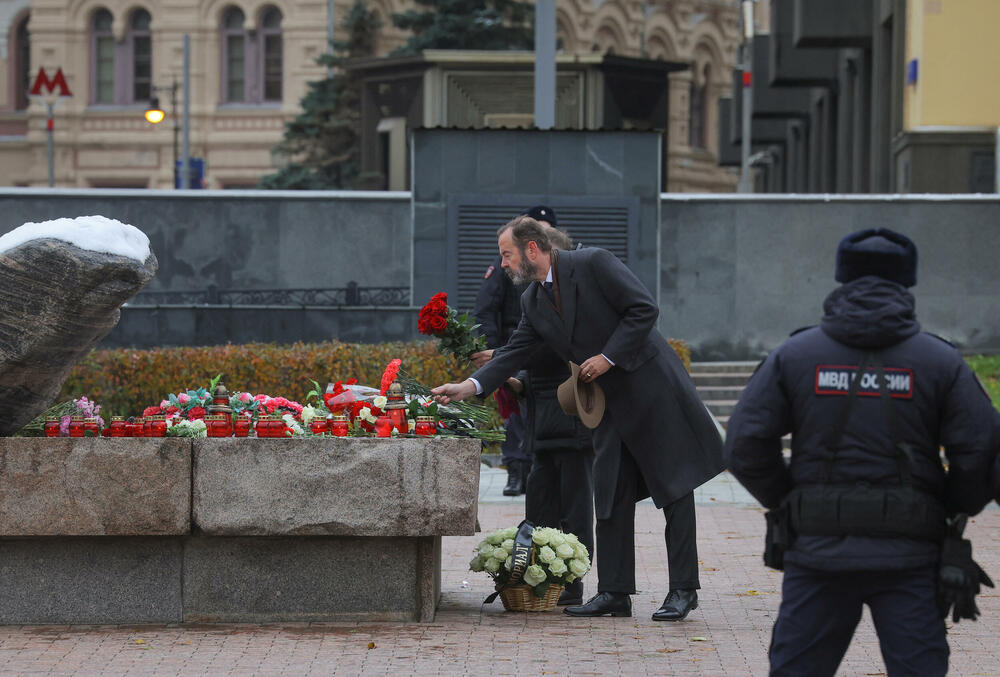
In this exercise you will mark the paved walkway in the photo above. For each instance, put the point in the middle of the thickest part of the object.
(727, 635)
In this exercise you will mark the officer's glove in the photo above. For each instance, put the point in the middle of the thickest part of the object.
(959, 577)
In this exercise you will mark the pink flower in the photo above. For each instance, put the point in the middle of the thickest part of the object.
(183, 398)
(164, 404)
(245, 398)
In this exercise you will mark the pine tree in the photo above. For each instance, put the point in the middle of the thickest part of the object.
(467, 24)
(323, 142)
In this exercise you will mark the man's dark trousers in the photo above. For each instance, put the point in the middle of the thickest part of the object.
(616, 537)
(560, 492)
(821, 609)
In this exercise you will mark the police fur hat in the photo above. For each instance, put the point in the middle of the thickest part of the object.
(543, 213)
(877, 251)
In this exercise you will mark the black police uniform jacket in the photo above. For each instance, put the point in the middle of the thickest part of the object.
(498, 306)
(651, 403)
(801, 387)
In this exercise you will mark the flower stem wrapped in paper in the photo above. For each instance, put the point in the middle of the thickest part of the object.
(536, 557)
(456, 332)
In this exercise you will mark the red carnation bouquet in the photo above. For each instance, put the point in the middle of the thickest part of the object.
(456, 332)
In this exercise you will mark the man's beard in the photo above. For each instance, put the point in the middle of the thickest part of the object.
(525, 273)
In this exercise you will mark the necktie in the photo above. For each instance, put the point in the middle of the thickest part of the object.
(548, 290)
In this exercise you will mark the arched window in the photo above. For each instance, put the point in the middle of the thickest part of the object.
(271, 54)
(139, 46)
(102, 49)
(21, 51)
(698, 124)
(234, 42)
(252, 61)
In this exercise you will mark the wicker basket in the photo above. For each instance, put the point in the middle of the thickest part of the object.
(521, 598)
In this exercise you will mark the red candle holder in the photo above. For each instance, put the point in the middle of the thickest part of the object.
(76, 426)
(216, 426)
(426, 427)
(51, 426)
(263, 427)
(158, 426)
(340, 426)
(117, 426)
(383, 426)
(241, 427)
(319, 426)
(399, 420)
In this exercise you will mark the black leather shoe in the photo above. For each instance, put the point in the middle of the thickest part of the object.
(677, 605)
(515, 480)
(603, 604)
(572, 595)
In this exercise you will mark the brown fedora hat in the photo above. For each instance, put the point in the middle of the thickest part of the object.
(585, 400)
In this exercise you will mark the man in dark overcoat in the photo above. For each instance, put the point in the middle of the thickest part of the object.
(656, 438)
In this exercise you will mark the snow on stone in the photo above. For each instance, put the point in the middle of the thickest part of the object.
(94, 233)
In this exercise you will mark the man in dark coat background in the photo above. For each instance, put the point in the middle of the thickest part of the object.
(929, 398)
(498, 310)
(656, 438)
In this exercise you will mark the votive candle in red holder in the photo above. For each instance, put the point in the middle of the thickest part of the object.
(318, 426)
(117, 426)
(263, 426)
(76, 426)
(383, 426)
(158, 426)
(241, 427)
(215, 426)
(51, 426)
(426, 427)
(399, 420)
(340, 426)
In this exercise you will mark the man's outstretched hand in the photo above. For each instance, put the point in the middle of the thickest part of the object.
(454, 391)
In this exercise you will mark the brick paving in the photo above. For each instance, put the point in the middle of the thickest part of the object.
(727, 635)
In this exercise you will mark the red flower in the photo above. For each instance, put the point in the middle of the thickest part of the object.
(440, 296)
(352, 381)
(152, 411)
(196, 413)
(437, 324)
(389, 375)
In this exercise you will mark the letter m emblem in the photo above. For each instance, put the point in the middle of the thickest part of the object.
(57, 85)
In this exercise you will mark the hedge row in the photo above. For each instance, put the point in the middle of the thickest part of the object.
(125, 381)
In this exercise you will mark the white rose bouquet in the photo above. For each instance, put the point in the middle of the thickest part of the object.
(556, 558)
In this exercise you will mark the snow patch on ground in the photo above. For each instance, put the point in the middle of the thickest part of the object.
(93, 233)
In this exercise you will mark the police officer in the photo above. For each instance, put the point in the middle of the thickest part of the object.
(869, 399)
(498, 310)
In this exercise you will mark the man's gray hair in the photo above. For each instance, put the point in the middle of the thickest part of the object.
(524, 229)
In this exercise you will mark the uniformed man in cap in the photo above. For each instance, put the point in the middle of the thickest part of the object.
(498, 310)
(861, 510)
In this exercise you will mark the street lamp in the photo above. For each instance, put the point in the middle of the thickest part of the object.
(155, 115)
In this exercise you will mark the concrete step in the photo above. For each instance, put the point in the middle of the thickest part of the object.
(708, 393)
(727, 367)
(720, 379)
(720, 407)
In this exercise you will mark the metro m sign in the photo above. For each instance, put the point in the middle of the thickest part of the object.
(56, 83)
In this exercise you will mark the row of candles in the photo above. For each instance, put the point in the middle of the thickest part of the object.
(221, 425)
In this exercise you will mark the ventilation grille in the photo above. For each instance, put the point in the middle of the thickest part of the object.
(594, 226)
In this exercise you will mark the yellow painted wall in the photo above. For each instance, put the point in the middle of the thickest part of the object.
(957, 46)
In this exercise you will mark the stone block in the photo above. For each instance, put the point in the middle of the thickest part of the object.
(336, 486)
(90, 580)
(94, 486)
(326, 578)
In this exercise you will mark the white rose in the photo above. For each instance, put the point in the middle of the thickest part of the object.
(380, 401)
(508, 545)
(486, 550)
(581, 551)
(572, 539)
(492, 565)
(565, 551)
(557, 567)
(557, 539)
(500, 554)
(540, 536)
(509, 532)
(534, 575)
(546, 554)
(495, 538)
(308, 414)
(578, 567)
(476, 564)
(509, 563)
